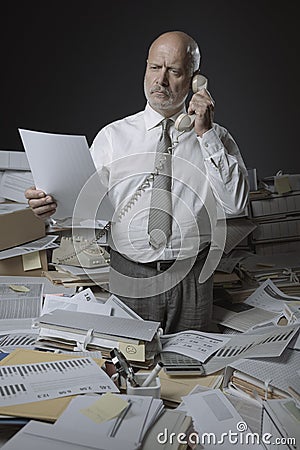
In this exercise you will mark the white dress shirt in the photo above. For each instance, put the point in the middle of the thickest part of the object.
(209, 179)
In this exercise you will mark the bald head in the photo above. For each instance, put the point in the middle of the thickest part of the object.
(172, 60)
(184, 44)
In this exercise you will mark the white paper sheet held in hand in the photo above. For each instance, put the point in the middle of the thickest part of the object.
(62, 166)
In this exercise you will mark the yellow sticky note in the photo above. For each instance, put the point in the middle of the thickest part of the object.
(19, 288)
(282, 184)
(106, 408)
(133, 352)
(31, 261)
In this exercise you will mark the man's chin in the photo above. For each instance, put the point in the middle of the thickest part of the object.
(163, 105)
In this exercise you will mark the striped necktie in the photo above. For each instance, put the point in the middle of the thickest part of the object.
(160, 215)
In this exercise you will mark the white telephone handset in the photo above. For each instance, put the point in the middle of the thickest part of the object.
(185, 122)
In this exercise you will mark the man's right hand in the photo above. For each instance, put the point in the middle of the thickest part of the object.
(42, 205)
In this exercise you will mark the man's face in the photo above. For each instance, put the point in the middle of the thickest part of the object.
(167, 78)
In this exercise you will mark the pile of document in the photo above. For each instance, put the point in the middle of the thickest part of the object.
(67, 275)
(264, 337)
(173, 388)
(281, 420)
(267, 378)
(266, 304)
(15, 176)
(282, 268)
(278, 220)
(112, 421)
(82, 322)
(214, 416)
(63, 329)
(46, 396)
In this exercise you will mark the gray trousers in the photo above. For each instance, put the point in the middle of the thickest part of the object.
(186, 305)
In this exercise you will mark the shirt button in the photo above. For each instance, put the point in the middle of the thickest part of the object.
(206, 144)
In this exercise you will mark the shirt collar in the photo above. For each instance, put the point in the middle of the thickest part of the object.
(153, 118)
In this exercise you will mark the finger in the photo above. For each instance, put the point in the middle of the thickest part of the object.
(200, 108)
(204, 97)
(44, 210)
(205, 94)
(37, 203)
(45, 216)
(32, 192)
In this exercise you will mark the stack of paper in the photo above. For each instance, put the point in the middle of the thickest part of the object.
(44, 243)
(49, 288)
(173, 389)
(38, 381)
(109, 422)
(281, 420)
(47, 409)
(83, 301)
(136, 339)
(278, 220)
(15, 176)
(241, 316)
(20, 303)
(267, 378)
(249, 409)
(213, 418)
(227, 280)
(282, 268)
(267, 304)
(170, 423)
(78, 276)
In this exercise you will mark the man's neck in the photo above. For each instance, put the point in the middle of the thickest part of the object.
(168, 113)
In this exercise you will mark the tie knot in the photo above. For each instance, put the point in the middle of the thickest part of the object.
(166, 124)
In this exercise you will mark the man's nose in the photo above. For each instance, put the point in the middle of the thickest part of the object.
(163, 78)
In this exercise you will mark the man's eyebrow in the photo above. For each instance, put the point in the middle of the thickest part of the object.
(153, 62)
(160, 65)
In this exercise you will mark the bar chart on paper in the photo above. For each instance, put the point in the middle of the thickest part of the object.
(43, 381)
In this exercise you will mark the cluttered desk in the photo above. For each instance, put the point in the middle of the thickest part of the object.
(62, 366)
(74, 356)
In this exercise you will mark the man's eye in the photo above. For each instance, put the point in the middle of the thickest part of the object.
(154, 67)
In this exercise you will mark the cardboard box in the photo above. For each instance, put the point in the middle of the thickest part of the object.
(18, 227)
(36, 263)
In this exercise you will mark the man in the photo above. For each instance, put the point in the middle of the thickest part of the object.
(156, 261)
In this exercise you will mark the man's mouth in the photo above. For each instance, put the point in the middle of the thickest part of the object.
(160, 92)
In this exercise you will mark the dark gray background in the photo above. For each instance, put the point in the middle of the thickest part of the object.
(72, 68)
